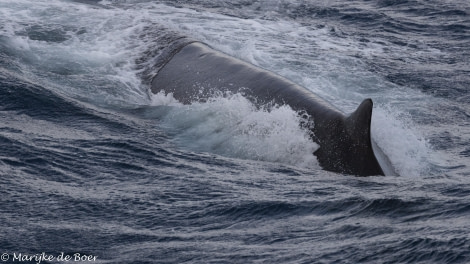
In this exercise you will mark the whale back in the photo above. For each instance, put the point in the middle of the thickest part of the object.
(198, 72)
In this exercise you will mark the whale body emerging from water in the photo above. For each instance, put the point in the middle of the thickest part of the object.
(195, 72)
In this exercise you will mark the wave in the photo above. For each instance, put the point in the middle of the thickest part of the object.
(232, 126)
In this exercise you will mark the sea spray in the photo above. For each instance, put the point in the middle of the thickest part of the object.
(232, 126)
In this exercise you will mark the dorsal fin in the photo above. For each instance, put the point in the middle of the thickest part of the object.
(358, 127)
(358, 123)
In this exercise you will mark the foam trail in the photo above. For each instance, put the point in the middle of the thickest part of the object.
(89, 54)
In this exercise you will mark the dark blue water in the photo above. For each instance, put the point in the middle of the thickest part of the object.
(94, 168)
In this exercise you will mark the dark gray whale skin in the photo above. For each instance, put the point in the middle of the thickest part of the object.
(196, 72)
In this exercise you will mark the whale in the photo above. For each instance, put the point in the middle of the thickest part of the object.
(193, 71)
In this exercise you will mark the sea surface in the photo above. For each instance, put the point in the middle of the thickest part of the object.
(95, 169)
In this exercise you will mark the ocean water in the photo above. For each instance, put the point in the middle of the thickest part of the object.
(95, 169)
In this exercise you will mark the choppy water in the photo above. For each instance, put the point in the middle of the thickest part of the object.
(92, 164)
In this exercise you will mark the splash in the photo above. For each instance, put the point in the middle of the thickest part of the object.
(232, 126)
(406, 147)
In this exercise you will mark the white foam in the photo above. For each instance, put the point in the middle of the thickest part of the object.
(95, 61)
(232, 126)
(400, 140)
(163, 99)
